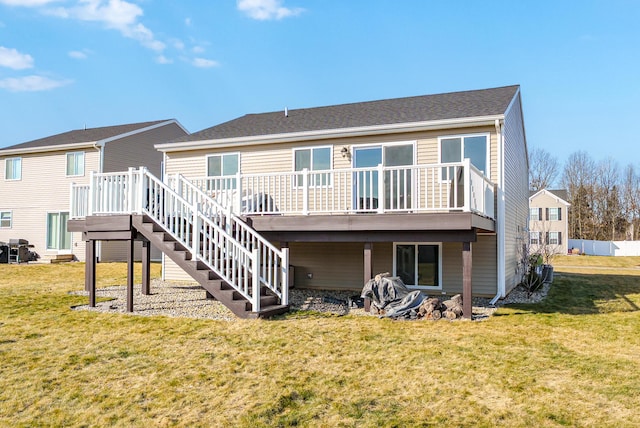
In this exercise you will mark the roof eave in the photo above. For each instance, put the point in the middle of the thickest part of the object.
(51, 148)
(331, 133)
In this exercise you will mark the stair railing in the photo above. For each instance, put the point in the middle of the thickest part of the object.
(272, 263)
(207, 241)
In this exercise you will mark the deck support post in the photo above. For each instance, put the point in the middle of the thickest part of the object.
(368, 270)
(90, 271)
(467, 304)
(130, 275)
(146, 267)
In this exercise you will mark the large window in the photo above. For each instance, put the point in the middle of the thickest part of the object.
(418, 265)
(314, 159)
(75, 163)
(225, 165)
(58, 238)
(13, 169)
(5, 219)
(455, 149)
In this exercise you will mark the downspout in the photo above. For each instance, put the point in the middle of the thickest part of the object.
(500, 220)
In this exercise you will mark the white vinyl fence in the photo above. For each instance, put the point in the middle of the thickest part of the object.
(605, 248)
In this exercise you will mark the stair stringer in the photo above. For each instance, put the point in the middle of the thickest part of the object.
(200, 272)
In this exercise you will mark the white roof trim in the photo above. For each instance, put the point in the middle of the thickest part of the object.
(330, 133)
(52, 148)
(85, 144)
(552, 195)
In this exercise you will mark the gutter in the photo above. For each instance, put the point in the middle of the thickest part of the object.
(53, 148)
(324, 134)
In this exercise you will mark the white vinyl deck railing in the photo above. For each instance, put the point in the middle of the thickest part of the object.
(213, 235)
(447, 187)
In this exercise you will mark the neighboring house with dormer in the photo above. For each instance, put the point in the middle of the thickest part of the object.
(548, 222)
(35, 179)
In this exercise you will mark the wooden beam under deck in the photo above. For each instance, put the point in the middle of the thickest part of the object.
(373, 222)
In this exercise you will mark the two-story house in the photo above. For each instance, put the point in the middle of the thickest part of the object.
(548, 222)
(35, 177)
(430, 188)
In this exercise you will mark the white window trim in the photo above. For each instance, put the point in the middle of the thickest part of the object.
(537, 213)
(531, 234)
(421, 287)
(557, 210)
(206, 162)
(487, 173)
(557, 237)
(84, 163)
(10, 219)
(6, 161)
(46, 231)
(293, 166)
(414, 143)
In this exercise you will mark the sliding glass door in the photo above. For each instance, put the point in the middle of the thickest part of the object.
(58, 238)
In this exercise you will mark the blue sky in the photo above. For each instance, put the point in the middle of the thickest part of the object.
(66, 64)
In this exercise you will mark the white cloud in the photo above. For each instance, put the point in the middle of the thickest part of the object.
(31, 83)
(115, 14)
(187, 22)
(11, 58)
(78, 54)
(161, 59)
(27, 3)
(266, 9)
(204, 63)
(197, 49)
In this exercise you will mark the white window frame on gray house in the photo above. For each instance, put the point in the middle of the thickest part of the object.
(313, 163)
(6, 219)
(464, 149)
(416, 263)
(75, 164)
(13, 169)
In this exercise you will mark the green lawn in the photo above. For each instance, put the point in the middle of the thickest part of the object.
(573, 360)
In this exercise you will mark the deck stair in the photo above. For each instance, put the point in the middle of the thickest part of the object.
(206, 277)
(230, 260)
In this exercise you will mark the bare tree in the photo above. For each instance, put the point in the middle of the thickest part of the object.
(606, 201)
(630, 201)
(543, 169)
(578, 179)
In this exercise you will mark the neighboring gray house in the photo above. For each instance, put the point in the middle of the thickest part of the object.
(548, 222)
(35, 179)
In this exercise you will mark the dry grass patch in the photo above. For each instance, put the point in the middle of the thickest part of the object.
(570, 361)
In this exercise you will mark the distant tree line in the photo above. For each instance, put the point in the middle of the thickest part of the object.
(605, 200)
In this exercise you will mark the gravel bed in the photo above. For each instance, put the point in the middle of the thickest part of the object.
(187, 300)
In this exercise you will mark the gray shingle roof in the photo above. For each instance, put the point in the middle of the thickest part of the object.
(477, 103)
(82, 135)
(560, 193)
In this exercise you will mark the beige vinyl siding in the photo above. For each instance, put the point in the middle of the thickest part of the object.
(116, 251)
(545, 201)
(484, 278)
(138, 149)
(516, 192)
(336, 265)
(44, 188)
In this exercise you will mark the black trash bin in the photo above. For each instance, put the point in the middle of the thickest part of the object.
(4, 252)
